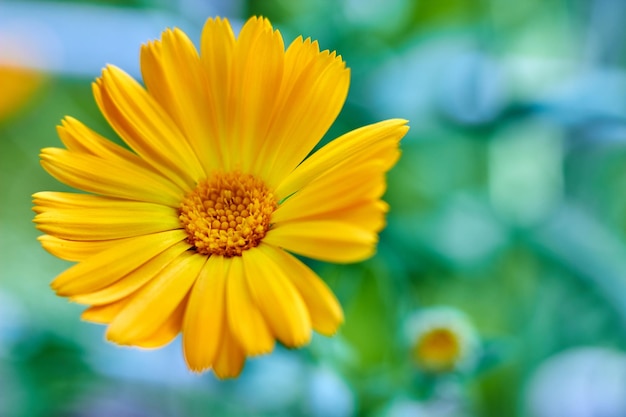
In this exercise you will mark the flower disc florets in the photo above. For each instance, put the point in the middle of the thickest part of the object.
(227, 214)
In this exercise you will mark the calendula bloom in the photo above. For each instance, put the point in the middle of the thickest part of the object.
(193, 229)
(442, 339)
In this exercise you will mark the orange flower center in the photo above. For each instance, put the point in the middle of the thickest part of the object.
(227, 214)
(438, 349)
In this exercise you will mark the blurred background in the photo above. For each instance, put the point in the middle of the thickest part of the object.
(499, 286)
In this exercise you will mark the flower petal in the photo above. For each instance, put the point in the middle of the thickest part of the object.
(174, 76)
(376, 141)
(279, 302)
(78, 138)
(324, 309)
(150, 308)
(335, 192)
(168, 330)
(46, 200)
(105, 313)
(87, 217)
(205, 315)
(256, 77)
(230, 357)
(310, 98)
(76, 250)
(110, 177)
(331, 241)
(244, 318)
(133, 281)
(143, 124)
(217, 48)
(112, 264)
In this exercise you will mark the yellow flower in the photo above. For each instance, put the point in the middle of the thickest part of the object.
(442, 339)
(192, 230)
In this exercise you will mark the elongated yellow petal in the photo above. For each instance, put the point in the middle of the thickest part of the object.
(174, 76)
(324, 309)
(355, 146)
(300, 56)
(76, 250)
(104, 224)
(230, 357)
(341, 189)
(133, 281)
(370, 215)
(105, 313)
(114, 178)
(112, 264)
(118, 221)
(255, 80)
(217, 48)
(324, 240)
(168, 330)
(312, 101)
(143, 124)
(79, 138)
(150, 308)
(244, 318)
(205, 316)
(60, 200)
(278, 300)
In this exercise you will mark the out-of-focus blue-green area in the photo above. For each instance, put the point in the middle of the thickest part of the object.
(508, 205)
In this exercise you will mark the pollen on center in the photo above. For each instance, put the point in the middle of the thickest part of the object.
(227, 214)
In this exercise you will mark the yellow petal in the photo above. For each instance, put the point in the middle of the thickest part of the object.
(255, 80)
(153, 304)
(205, 315)
(112, 264)
(110, 177)
(76, 250)
(370, 215)
(217, 48)
(244, 318)
(230, 357)
(84, 217)
(105, 313)
(133, 281)
(330, 241)
(168, 330)
(338, 190)
(279, 302)
(174, 76)
(143, 124)
(379, 140)
(299, 56)
(308, 102)
(324, 309)
(78, 138)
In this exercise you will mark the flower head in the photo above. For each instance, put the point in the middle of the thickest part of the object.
(193, 229)
(442, 339)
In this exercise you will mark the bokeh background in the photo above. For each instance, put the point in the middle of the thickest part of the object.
(508, 206)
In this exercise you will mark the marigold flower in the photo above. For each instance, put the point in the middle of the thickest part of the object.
(442, 339)
(192, 230)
